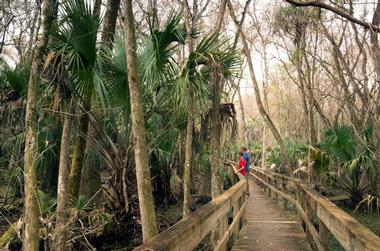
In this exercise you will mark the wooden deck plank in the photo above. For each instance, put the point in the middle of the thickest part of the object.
(267, 227)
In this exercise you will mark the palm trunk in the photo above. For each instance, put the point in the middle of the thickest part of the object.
(63, 183)
(90, 180)
(148, 214)
(78, 157)
(31, 231)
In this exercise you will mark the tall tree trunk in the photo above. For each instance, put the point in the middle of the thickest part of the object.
(242, 112)
(97, 7)
(90, 180)
(148, 215)
(110, 19)
(215, 134)
(189, 127)
(237, 35)
(263, 151)
(265, 85)
(259, 103)
(376, 58)
(59, 242)
(32, 32)
(31, 231)
(78, 156)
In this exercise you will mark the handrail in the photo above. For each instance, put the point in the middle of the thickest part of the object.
(349, 232)
(190, 231)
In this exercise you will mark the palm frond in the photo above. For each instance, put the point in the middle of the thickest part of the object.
(340, 141)
(75, 40)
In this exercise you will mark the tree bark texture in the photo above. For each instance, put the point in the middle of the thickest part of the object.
(78, 156)
(59, 242)
(147, 211)
(189, 127)
(31, 231)
(110, 18)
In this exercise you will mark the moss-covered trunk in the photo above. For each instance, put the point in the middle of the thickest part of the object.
(31, 233)
(78, 157)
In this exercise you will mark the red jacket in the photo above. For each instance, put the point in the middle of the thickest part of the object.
(242, 165)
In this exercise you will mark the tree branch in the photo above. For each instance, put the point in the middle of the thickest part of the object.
(322, 5)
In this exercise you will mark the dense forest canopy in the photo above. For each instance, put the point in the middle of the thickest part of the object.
(117, 117)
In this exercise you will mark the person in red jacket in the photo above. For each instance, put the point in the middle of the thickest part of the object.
(242, 165)
(242, 169)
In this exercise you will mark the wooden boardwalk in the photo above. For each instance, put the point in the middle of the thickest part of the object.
(267, 227)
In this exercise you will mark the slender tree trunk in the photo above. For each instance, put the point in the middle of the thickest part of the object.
(215, 135)
(376, 58)
(97, 7)
(32, 32)
(263, 153)
(237, 35)
(31, 231)
(78, 156)
(259, 103)
(148, 214)
(59, 243)
(265, 93)
(189, 127)
(110, 19)
(245, 132)
(90, 180)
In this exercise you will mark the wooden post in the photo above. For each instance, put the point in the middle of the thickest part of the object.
(323, 233)
(276, 186)
(309, 213)
(284, 189)
(235, 211)
(265, 178)
(269, 190)
(223, 227)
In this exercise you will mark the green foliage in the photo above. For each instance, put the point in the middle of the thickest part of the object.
(81, 203)
(357, 163)
(46, 203)
(340, 142)
(75, 42)
(16, 79)
(295, 152)
(321, 160)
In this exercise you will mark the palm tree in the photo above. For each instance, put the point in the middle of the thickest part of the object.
(76, 42)
(356, 158)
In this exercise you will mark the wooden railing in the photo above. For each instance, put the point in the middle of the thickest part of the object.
(312, 207)
(190, 231)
